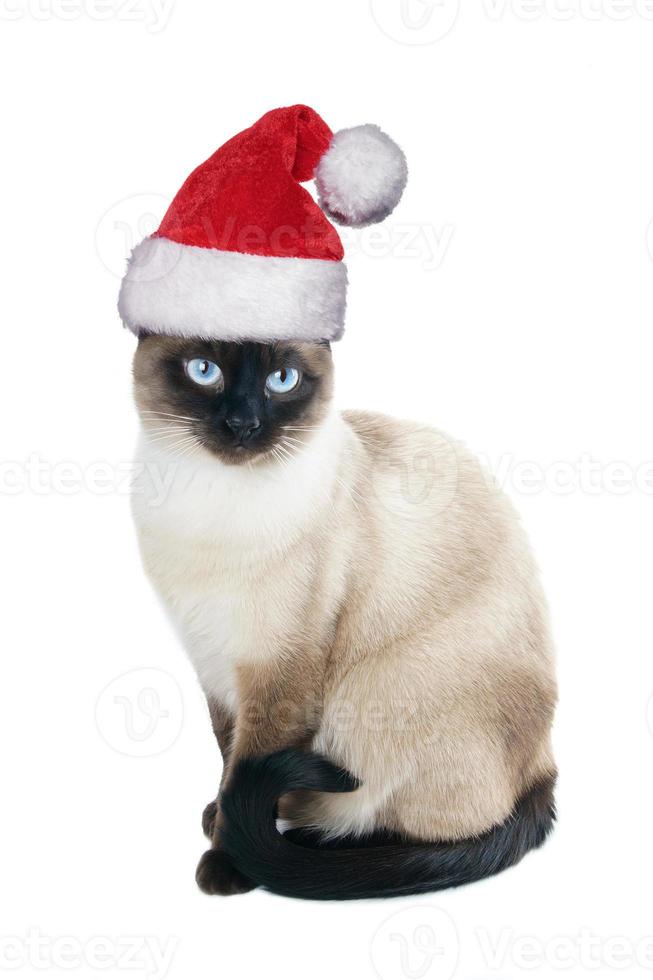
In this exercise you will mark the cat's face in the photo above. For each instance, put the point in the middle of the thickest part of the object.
(241, 402)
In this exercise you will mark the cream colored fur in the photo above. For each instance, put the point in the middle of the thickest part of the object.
(384, 546)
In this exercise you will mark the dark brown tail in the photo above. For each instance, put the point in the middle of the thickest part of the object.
(296, 864)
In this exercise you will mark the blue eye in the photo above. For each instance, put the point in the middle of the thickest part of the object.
(203, 372)
(285, 379)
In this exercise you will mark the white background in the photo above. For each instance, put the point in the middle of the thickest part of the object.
(525, 330)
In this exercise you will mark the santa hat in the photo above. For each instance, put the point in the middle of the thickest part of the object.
(244, 252)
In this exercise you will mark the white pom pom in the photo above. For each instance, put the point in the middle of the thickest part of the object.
(361, 177)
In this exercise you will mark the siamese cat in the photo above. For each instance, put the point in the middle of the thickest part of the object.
(365, 619)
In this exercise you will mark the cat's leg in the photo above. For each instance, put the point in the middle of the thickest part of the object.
(222, 870)
(278, 708)
(222, 722)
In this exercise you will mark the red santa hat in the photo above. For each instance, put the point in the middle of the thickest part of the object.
(244, 252)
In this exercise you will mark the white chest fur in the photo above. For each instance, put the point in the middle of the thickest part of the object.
(223, 548)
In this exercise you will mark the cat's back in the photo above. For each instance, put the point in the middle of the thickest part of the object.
(423, 468)
(436, 511)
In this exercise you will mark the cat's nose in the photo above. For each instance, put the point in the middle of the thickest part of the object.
(241, 427)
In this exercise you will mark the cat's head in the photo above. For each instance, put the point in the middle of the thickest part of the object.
(241, 402)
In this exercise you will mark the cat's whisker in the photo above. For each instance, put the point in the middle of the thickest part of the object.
(167, 415)
(172, 450)
(294, 440)
(169, 431)
(297, 444)
(156, 420)
(356, 498)
(163, 438)
(351, 493)
(160, 442)
(283, 453)
(290, 451)
(279, 458)
(185, 450)
(167, 428)
(165, 420)
(190, 450)
(275, 455)
(147, 423)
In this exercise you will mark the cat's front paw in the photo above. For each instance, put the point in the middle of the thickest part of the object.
(208, 818)
(216, 875)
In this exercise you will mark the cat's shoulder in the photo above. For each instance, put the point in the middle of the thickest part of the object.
(384, 434)
(379, 427)
(391, 442)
